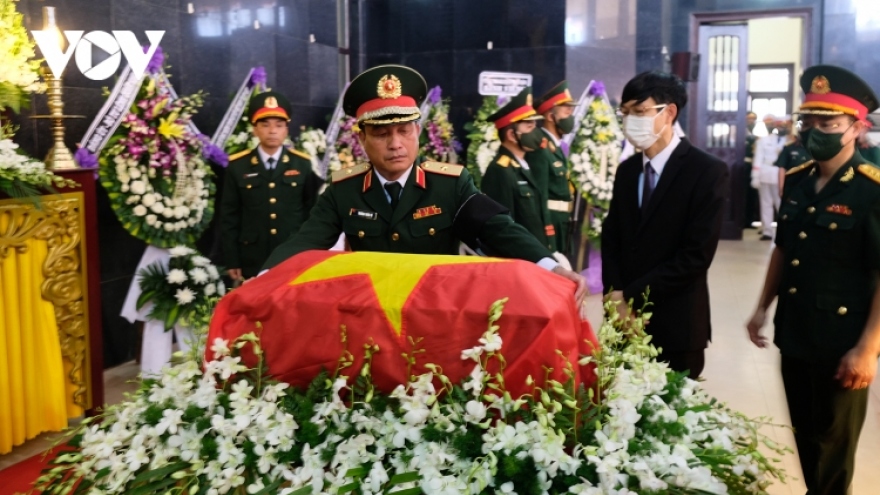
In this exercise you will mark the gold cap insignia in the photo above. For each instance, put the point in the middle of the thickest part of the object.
(820, 85)
(389, 87)
(529, 100)
(271, 102)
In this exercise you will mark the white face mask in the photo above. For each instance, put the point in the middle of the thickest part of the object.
(640, 130)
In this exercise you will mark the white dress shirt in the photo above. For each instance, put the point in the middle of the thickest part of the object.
(265, 157)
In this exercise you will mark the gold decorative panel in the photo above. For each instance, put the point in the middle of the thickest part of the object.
(59, 221)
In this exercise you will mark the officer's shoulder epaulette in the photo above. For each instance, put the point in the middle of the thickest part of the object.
(503, 161)
(236, 156)
(294, 151)
(349, 172)
(800, 167)
(870, 172)
(442, 168)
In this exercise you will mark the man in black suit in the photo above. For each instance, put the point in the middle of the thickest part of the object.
(664, 222)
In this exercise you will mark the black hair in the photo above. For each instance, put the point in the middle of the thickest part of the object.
(665, 88)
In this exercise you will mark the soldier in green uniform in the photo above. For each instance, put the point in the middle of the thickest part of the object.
(550, 166)
(267, 192)
(751, 209)
(401, 203)
(508, 178)
(824, 271)
(793, 154)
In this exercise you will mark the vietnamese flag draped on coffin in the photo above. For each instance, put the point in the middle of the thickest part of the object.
(302, 303)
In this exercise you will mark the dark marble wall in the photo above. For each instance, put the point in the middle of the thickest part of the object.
(447, 41)
(210, 49)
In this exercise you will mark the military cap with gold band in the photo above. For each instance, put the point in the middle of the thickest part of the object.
(518, 109)
(559, 95)
(268, 104)
(832, 90)
(386, 94)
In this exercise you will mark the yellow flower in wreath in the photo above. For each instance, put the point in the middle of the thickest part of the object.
(168, 127)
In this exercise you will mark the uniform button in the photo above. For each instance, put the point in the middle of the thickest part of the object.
(802, 235)
(272, 200)
(431, 231)
(273, 231)
(249, 186)
(785, 217)
(273, 216)
(795, 262)
(395, 236)
(271, 185)
(293, 184)
(811, 209)
(841, 310)
(360, 234)
(833, 226)
(528, 195)
(793, 290)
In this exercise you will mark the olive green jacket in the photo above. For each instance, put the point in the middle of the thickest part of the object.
(435, 212)
(260, 208)
(551, 170)
(518, 190)
(831, 245)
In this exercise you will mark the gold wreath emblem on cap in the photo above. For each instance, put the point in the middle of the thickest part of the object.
(567, 93)
(529, 100)
(271, 102)
(389, 87)
(820, 85)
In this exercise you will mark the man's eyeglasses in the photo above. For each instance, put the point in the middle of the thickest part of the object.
(639, 111)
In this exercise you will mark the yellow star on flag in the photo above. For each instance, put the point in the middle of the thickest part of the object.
(394, 276)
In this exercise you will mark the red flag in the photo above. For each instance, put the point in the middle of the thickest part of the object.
(386, 298)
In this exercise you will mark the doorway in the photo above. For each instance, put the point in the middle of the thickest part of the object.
(750, 61)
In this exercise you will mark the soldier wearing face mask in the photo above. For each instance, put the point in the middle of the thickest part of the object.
(823, 273)
(508, 179)
(549, 164)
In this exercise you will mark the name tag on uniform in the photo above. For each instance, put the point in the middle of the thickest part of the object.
(368, 215)
(428, 211)
(557, 164)
(839, 209)
(248, 176)
(291, 172)
(522, 182)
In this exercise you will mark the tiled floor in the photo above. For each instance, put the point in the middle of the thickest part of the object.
(745, 377)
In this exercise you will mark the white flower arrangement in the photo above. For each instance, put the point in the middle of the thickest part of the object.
(595, 155)
(186, 290)
(22, 176)
(483, 137)
(20, 75)
(314, 143)
(218, 427)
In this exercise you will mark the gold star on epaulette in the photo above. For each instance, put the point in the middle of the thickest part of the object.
(870, 172)
(800, 167)
(503, 161)
(349, 172)
(442, 168)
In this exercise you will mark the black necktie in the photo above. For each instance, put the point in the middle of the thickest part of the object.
(271, 162)
(393, 189)
(647, 185)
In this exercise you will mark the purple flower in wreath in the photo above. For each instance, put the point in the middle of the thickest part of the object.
(258, 77)
(85, 159)
(157, 60)
(212, 152)
(597, 89)
(434, 95)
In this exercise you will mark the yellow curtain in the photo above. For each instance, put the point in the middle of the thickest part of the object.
(35, 392)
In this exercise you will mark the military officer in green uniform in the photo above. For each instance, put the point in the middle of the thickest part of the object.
(793, 154)
(508, 178)
(550, 166)
(400, 202)
(824, 272)
(267, 192)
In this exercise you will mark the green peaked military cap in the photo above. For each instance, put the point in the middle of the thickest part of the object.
(268, 104)
(832, 90)
(558, 95)
(386, 94)
(518, 109)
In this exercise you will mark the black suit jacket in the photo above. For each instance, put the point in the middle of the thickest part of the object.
(668, 250)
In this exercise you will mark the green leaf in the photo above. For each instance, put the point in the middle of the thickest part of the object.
(349, 487)
(398, 479)
(160, 473)
(171, 318)
(407, 491)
